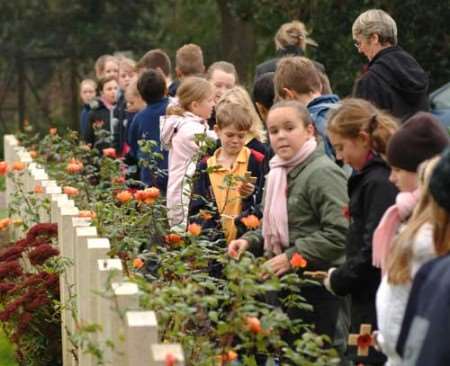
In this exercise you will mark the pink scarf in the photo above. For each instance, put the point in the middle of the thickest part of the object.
(389, 224)
(275, 219)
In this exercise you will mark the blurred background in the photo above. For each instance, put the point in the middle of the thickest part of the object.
(48, 46)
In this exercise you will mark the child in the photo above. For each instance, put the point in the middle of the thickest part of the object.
(107, 66)
(423, 339)
(223, 76)
(152, 88)
(188, 62)
(412, 248)
(304, 195)
(135, 104)
(178, 135)
(360, 133)
(211, 192)
(297, 78)
(126, 74)
(256, 137)
(156, 59)
(102, 115)
(87, 94)
(420, 138)
(264, 94)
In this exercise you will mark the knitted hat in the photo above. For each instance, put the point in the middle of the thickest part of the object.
(420, 138)
(440, 181)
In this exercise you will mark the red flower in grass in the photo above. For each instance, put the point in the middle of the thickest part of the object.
(10, 269)
(5, 287)
(3, 167)
(364, 341)
(170, 360)
(297, 261)
(43, 252)
(109, 152)
(42, 230)
(11, 253)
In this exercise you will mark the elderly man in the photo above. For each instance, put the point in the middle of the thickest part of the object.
(394, 81)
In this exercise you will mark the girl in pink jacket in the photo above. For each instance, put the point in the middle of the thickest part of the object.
(180, 131)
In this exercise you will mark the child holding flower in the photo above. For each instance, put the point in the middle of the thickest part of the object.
(303, 221)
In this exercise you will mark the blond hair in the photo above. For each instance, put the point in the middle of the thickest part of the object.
(233, 114)
(239, 95)
(224, 66)
(189, 60)
(399, 262)
(126, 62)
(292, 34)
(441, 228)
(376, 21)
(355, 116)
(191, 89)
(100, 64)
(88, 81)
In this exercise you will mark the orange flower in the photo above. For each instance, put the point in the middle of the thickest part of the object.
(109, 152)
(87, 213)
(297, 261)
(173, 239)
(18, 166)
(138, 263)
(170, 360)
(148, 195)
(71, 191)
(34, 154)
(4, 223)
(124, 196)
(205, 215)
(251, 222)
(194, 229)
(74, 166)
(229, 356)
(53, 131)
(253, 324)
(3, 167)
(38, 188)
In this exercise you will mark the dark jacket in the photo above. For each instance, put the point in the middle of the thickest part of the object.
(318, 109)
(84, 119)
(147, 128)
(370, 194)
(121, 115)
(395, 82)
(203, 196)
(271, 65)
(425, 332)
(100, 113)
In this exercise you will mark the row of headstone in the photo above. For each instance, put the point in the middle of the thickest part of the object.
(93, 288)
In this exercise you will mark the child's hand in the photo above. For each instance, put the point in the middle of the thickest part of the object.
(237, 247)
(246, 189)
(279, 264)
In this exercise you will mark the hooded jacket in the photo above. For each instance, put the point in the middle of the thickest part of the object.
(178, 136)
(395, 82)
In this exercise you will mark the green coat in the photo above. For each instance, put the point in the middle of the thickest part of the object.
(317, 197)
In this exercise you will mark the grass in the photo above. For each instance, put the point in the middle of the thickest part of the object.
(6, 351)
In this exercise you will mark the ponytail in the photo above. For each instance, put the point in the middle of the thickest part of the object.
(358, 115)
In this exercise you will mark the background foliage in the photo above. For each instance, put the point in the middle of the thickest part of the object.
(60, 39)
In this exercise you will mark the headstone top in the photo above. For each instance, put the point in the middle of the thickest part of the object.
(141, 319)
(98, 243)
(160, 351)
(84, 231)
(109, 264)
(124, 288)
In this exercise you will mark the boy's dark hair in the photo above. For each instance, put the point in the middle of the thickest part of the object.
(155, 59)
(263, 90)
(152, 86)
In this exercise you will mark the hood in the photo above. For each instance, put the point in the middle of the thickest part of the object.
(402, 72)
(322, 103)
(169, 125)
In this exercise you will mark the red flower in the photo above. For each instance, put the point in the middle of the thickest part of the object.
(251, 222)
(253, 324)
(109, 152)
(364, 340)
(346, 212)
(11, 253)
(42, 231)
(170, 360)
(3, 167)
(10, 269)
(42, 253)
(5, 287)
(297, 261)
(24, 319)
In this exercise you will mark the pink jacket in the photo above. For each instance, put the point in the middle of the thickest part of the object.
(178, 137)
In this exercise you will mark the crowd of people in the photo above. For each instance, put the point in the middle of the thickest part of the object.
(359, 187)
